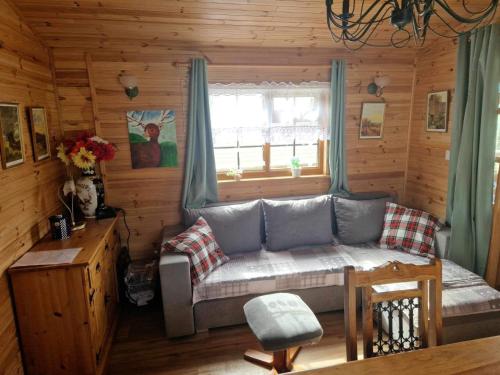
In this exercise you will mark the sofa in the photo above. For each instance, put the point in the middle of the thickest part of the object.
(282, 245)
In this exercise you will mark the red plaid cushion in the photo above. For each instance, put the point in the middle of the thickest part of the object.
(199, 243)
(409, 230)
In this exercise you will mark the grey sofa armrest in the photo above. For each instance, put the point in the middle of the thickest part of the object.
(442, 242)
(176, 295)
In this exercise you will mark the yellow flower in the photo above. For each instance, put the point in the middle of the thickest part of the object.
(84, 159)
(62, 155)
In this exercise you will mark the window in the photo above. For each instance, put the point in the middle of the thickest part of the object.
(258, 129)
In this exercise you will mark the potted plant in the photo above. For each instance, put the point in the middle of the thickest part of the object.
(295, 166)
(235, 173)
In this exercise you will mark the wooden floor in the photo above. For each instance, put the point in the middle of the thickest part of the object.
(141, 348)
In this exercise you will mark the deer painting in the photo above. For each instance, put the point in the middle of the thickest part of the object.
(149, 146)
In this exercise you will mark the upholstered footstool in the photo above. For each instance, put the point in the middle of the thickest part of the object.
(282, 323)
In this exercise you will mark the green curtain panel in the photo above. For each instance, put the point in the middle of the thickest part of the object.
(470, 184)
(336, 153)
(200, 176)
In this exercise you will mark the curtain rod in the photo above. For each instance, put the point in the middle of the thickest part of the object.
(188, 65)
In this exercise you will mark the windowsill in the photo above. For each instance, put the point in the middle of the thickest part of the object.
(278, 178)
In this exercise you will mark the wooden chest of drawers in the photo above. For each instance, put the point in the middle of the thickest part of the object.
(67, 313)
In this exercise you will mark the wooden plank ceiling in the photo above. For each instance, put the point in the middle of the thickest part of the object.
(257, 23)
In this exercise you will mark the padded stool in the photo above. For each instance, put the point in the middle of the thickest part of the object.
(282, 323)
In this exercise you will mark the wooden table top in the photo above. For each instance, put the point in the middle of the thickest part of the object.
(88, 239)
(480, 356)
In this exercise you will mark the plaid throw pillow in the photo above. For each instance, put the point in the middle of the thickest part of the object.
(199, 243)
(409, 230)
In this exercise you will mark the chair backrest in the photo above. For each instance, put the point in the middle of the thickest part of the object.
(392, 309)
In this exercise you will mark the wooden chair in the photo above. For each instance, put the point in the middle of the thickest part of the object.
(426, 297)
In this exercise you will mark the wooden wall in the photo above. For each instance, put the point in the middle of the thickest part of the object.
(427, 178)
(87, 80)
(28, 192)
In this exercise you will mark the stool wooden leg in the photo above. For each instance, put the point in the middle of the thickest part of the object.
(280, 360)
(259, 358)
(291, 354)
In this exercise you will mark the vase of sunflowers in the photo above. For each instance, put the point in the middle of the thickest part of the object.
(84, 153)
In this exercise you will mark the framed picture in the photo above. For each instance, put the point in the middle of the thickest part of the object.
(152, 137)
(11, 135)
(437, 111)
(39, 133)
(372, 120)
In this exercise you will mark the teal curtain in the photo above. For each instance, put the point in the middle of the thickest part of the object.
(336, 153)
(470, 184)
(200, 177)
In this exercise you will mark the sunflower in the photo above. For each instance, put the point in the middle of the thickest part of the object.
(84, 159)
(61, 154)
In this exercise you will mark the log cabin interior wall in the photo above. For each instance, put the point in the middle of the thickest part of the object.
(28, 191)
(148, 38)
(89, 92)
(427, 174)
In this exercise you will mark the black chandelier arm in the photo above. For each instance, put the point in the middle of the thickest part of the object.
(465, 6)
(427, 4)
(419, 31)
(362, 39)
(359, 34)
(368, 29)
(423, 15)
(333, 17)
(359, 20)
(456, 32)
(443, 4)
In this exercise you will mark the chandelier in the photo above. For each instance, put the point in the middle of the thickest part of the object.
(356, 21)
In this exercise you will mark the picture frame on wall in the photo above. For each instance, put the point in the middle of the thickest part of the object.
(152, 138)
(437, 112)
(372, 120)
(11, 135)
(39, 131)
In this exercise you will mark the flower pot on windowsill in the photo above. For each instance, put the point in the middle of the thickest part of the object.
(296, 172)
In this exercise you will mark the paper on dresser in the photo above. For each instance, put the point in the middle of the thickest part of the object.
(47, 257)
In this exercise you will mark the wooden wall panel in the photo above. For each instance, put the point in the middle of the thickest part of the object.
(151, 197)
(28, 192)
(427, 177)
(263, 23)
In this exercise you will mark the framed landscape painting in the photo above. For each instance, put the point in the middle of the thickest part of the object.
(11, 135)
(39, 133)
(372, 120)
(152, 137)
(437, 111)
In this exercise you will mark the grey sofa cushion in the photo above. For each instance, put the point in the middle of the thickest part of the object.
(281, 321)
(296, 223)
(359, 221)
(237, 228)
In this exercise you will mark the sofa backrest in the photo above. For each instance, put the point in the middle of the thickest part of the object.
(188, 213)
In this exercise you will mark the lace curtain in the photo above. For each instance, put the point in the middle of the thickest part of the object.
(270, 112)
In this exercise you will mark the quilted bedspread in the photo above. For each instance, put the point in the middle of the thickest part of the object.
(464, 293)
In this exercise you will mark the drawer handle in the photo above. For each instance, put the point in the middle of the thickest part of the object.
(98, 267)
